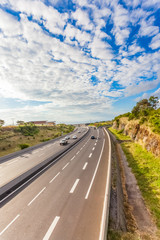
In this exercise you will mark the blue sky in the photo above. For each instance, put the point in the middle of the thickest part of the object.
(77, 61)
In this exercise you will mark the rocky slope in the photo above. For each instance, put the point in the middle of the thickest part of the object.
(139, 133)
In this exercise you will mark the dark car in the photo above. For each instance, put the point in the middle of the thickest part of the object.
(63, 142)
(92, 137)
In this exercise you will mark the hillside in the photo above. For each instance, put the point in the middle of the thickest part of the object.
(15, 138)
(142, 124)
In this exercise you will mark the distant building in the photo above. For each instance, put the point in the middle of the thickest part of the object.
(51, 123)
(43, 123)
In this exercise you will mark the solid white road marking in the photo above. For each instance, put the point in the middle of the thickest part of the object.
(90, 155)
(65, 166)
(52, 227)
(9, 224)
(95, 172)
(74, 186)
(107, 191)
(36, 196)
(93, 149)
(54, 177)
(85, 165)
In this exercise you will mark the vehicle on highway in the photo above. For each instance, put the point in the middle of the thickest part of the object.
(63, 142)
(74, 137)
(92, 137)
(67, 138)
(79, 131)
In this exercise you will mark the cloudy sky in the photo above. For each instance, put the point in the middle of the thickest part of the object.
(77, 60)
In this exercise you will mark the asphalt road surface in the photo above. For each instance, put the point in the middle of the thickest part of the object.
(16, 166)
(66, 201)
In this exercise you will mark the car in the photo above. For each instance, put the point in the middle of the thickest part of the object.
(74, 137)
(92, 137)
(79, 131)
(67, 138)
(63, 142)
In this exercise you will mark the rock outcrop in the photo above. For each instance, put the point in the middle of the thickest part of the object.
(139, 133)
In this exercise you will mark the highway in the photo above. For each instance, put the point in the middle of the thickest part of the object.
(66, 202)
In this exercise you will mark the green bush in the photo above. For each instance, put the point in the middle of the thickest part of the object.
(23, 145)
(28, 130)
(45, 139)
(142, 120)
(155, 121)
(121, 131)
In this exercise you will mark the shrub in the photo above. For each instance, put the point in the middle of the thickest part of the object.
(142, 120)
(121, 131)
(23, 145)
(28, 130)
(45, 140)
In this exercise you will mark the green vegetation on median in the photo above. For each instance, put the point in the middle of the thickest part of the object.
(146, 168)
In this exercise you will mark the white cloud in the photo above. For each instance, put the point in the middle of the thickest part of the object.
(133, 3)
(82, 19)
(134, 48)
(81, 36)
(100, 49)
(137, 14)
(49, 16)
(35, 65)
(147, 28)
(121, 19)
(141, 87)
(153, 3)
(8, 23)
(155, 43)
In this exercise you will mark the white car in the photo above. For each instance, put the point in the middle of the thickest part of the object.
(67, 138)
(74, 137)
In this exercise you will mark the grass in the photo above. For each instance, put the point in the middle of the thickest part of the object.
(146, 168)
(116, 235)
(11, 140)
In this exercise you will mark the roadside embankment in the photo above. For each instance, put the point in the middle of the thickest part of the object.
(140, 177)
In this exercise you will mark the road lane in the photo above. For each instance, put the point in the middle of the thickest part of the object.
(56, 199)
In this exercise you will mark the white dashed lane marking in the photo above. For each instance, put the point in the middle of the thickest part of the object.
(54, 177)
(9, 224)
(74, 186)
(65, 166)
(85, 165)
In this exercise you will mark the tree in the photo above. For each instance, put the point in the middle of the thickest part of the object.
(1, 122)
(141, 108)
(153, 102)
(20, 122)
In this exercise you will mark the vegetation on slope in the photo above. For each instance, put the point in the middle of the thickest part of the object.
(101, 124)
(146, 112)
(146, 168)
(16, 138)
